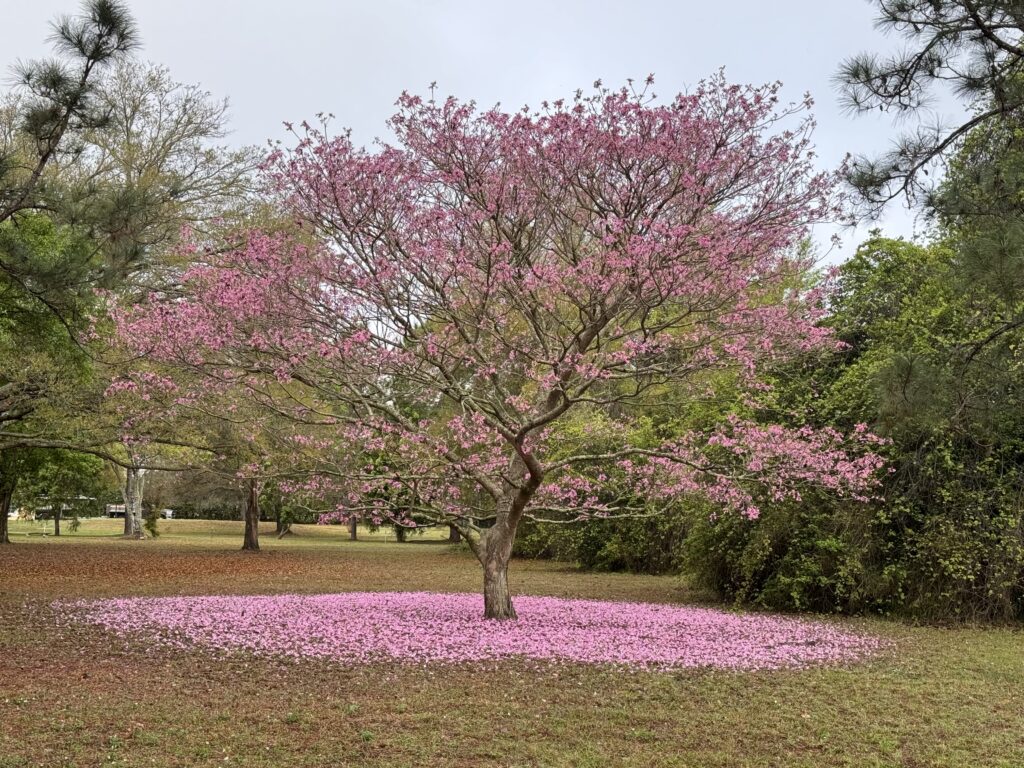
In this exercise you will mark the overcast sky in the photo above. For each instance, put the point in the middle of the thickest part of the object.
(278, 61)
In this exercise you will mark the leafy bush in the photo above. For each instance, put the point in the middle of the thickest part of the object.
(945, 538)
(639, 545)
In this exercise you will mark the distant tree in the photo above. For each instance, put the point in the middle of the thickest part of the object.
(220, 439)
(44, 266)
(195, 493)
(103, 161)
(66, 484)
(154, 167)
(42, 370)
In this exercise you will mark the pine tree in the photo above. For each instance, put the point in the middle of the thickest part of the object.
(974, 46)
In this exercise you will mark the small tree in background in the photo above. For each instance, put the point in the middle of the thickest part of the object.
(67, 485)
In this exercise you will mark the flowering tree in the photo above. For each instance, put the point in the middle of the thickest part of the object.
(454, 299)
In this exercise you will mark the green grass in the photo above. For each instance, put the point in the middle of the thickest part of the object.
(212, 532)
(74, 696)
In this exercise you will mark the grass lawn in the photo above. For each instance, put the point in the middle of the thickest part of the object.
(76, 696)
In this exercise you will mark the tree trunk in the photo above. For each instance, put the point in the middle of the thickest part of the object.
(283, 527)
(134, 488)
(496, 549)
(454, 537)
(252, 519)
(56, 520)
(353, 530)
(400, 533)
(6, 495)
(138, 532)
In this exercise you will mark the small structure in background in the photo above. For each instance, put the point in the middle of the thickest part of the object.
(117, 510)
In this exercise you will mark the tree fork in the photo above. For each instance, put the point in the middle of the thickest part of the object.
(134, 488)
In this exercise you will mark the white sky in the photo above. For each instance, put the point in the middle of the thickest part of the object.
(278, 61)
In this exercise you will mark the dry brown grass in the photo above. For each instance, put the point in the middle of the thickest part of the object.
(79, 697)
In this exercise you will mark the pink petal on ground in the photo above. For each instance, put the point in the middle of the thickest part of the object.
(426, 627)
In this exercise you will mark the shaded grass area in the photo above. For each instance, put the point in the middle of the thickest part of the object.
(80, 697)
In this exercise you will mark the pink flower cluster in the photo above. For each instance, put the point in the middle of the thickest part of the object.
(423, 627)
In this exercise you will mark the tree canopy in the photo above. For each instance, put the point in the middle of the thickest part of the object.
(459, 294)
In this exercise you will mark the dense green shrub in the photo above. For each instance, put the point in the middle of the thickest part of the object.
(945, 537)
(640, 545)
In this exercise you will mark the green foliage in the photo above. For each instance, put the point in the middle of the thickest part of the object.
(58, 484)
(639, 545)
(973, 48)
(151, 519)
(44, 374)
(282, 507)
(814, 556)
(922, 364)
(946, 537)
(45, 281)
